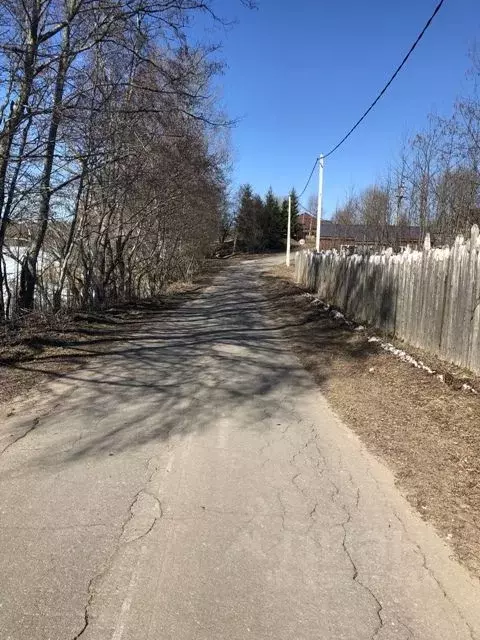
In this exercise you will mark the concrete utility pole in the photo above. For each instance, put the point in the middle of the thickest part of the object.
(320, 201)
(289, 226)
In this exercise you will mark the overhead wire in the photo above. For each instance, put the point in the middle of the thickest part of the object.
(309, 178)
(373, 104)
(392, 78)
(306, 209)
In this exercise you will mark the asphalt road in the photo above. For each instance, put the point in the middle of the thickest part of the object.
(194, 484)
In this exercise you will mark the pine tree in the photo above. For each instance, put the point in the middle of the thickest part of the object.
(272, 218)
(297, 229)
(262, 225)
(259, 238)
(249, 222)
(284, 218)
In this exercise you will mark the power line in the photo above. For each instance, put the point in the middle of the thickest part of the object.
(397, 71)
(379, 96)
(309, 178)
(306, 209)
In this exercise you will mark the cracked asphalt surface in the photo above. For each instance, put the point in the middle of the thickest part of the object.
(192, 483)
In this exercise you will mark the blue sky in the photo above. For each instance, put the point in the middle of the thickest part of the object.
(299, 73)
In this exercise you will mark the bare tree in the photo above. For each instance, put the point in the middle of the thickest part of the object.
(436, 183)
(349, 212)
(111, 161)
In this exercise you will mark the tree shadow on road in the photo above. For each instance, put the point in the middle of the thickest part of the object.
(181, 369)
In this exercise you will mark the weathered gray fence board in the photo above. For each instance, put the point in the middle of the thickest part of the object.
(429, 298)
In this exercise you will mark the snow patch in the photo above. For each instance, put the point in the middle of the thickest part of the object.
(418, 364)
(402, 355)
(386, 346)
(336, 315)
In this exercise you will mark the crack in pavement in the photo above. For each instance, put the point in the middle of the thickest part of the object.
(157, 515)
(86, 612)
(122, 543)
(36, 420)
(406, 627)
(355, 578)
(344, 524)
(98, 577)
(418, 550)
(282, 506)
(32, 427)
(320, 525)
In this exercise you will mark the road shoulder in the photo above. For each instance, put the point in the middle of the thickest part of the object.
(426, 430)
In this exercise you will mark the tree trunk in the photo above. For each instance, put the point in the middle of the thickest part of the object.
(57, 294)
(13, 123)
(28, 277)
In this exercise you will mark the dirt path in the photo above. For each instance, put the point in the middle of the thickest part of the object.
(192, 483)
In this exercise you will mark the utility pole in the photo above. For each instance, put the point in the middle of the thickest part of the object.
(400, 198)
(289, 226)
(320, 201)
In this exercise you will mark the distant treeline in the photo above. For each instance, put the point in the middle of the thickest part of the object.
(260, 224)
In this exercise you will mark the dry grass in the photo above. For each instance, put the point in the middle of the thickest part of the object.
(427, 431)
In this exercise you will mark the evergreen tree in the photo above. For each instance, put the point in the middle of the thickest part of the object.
(272, 219)
(262, 225)
(296, 228)
(284, 218)
(249, 222)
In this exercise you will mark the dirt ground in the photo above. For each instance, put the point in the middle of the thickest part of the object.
(426, 430)
(47, 346)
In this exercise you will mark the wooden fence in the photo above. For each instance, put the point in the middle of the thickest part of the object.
(429, 298)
